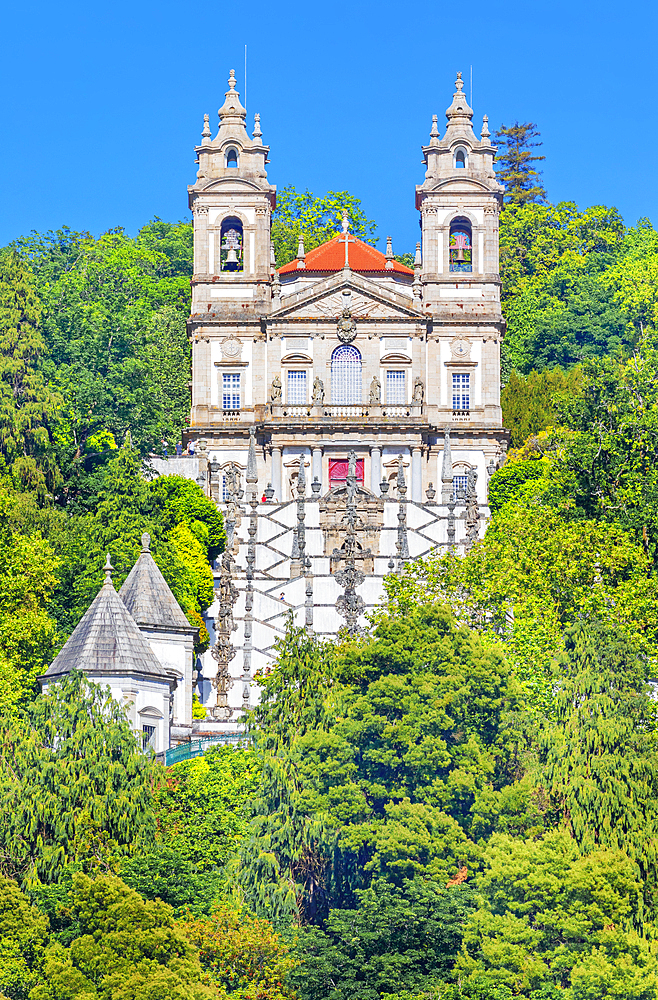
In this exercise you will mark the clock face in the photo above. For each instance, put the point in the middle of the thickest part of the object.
(460, 349)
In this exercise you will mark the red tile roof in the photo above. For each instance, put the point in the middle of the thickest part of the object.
(331, 257)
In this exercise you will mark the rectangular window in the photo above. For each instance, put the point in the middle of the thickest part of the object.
(231, 392)
(461, 392)
(148, 737)
(396, 387)
(459, 483)
(296, 387)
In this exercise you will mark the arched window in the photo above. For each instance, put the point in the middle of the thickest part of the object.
(460, 158)
(346, 375)
(231, 157)
(461, 249)
(231, 245)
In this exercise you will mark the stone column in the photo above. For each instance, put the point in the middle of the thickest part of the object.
(375, 469)
(316, 470)
(416, 475)
(276, 474)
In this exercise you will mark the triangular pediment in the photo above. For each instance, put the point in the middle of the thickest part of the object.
(369, 300)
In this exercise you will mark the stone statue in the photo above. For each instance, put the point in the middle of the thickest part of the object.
(419, 390)
(275, 390)
(375, 392)
(318, 391)
(346, 327)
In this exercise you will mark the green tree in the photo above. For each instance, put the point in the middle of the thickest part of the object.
(317, 219)
(202, 813)
(244, 957)
(28, 567)
(121, 948)
(559, 307)
(75, 788)
(28, 406)
(114, 314)
(23, 939)
(186, 531)
(378, 778)
(399, 939)
(528, 403)
(548, 913)
(516, 161)
(536, 573)
(601, 748)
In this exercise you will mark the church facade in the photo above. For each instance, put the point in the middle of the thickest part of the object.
(346, 408)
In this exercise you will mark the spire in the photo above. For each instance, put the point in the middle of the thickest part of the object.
(389, 253)
(485, 128)
(301, 476)
(272, 256)
(231, 111)
(418, 260)
(106, 641)
(301, 254)
(446, 468)
(148, 597)
(252, 474)
(434, 134)
(257, 132)
(459, 113)
(205, 135)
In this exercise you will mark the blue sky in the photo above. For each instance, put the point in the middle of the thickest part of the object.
(104, 102)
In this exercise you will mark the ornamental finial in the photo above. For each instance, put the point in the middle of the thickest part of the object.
(257, 132)
(205, 135)
(107, 569)
(301, 253)
(459, 83)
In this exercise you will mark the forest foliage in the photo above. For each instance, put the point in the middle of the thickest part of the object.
(461, 804)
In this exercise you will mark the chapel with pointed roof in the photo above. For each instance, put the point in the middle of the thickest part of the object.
(140, 644)
(346, 407)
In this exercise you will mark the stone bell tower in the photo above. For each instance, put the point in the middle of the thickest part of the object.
(459, 202)
(232, 204)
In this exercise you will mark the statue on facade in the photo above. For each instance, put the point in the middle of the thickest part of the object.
(318, 391)
(275, 390)
(419, 390)
(375, 392)
(346, 327)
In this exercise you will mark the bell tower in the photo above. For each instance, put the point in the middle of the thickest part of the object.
(459, 202)
(232, 203)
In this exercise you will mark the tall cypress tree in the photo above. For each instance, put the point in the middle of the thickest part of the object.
(601, 751)
(27, 405)
(515, 161)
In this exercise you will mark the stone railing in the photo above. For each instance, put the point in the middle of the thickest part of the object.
(346, 410)
(297, 410)
(349, 411)
(232, 415)
(461, 416)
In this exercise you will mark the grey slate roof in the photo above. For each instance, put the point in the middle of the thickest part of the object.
(107, 640)
(147, 596)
